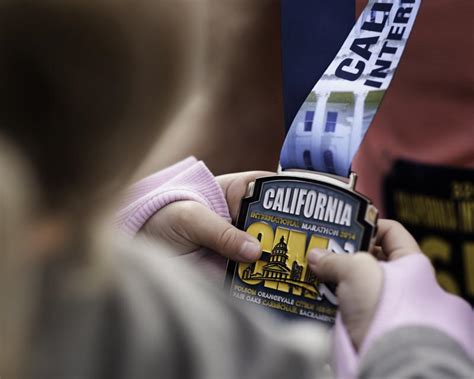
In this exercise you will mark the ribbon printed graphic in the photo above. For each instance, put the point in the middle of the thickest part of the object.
(331, 124)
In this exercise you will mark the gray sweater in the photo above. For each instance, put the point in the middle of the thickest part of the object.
(156, 318)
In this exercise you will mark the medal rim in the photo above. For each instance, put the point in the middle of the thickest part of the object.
(369, 231)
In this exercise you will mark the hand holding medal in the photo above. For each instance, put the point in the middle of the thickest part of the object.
(176, 223)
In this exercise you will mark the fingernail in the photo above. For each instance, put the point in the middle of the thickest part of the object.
(315, 255)
(250, 250)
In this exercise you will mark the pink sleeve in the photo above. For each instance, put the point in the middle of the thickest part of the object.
(344, 358)
(411, 297)
(152, 182)
(186, 180)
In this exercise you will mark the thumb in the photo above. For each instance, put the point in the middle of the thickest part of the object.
(215, 233)
(329, 267)
(359, 278)
(336, 268)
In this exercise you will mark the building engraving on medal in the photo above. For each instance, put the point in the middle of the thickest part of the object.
(275, 272)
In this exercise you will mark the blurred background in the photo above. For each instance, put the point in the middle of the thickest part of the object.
(234, 120)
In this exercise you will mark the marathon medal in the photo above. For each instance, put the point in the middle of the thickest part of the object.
(312, 202)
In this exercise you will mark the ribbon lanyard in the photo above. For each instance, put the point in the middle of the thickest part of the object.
(333, 120)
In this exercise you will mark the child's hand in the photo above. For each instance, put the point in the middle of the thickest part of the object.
(189, 225)
(360, 277)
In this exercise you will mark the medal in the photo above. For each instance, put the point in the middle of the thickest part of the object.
(312, 201)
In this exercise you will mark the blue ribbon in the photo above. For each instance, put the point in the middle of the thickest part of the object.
(312, 32)
(329, 127)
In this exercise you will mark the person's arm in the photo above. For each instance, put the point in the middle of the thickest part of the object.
(418, 330)
(188, 180)
(187, 207)
(416, 352)
(379, 302)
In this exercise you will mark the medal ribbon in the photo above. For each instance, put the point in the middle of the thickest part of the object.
(332, 122)
(312, 32)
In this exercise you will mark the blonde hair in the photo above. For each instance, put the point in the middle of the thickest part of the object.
(17, 280)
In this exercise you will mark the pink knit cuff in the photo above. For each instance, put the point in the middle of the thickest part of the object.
(344, 358)
(187, 180)
(152, 182)
(413, 297)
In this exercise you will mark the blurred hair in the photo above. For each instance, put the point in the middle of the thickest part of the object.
(84, 87)
(16, 275)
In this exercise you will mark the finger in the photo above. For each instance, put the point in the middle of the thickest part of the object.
(338, 268)
(359, 279)
(395, 240)
(206, 228)
(329, 267)
(235, 187)
(378, 253)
